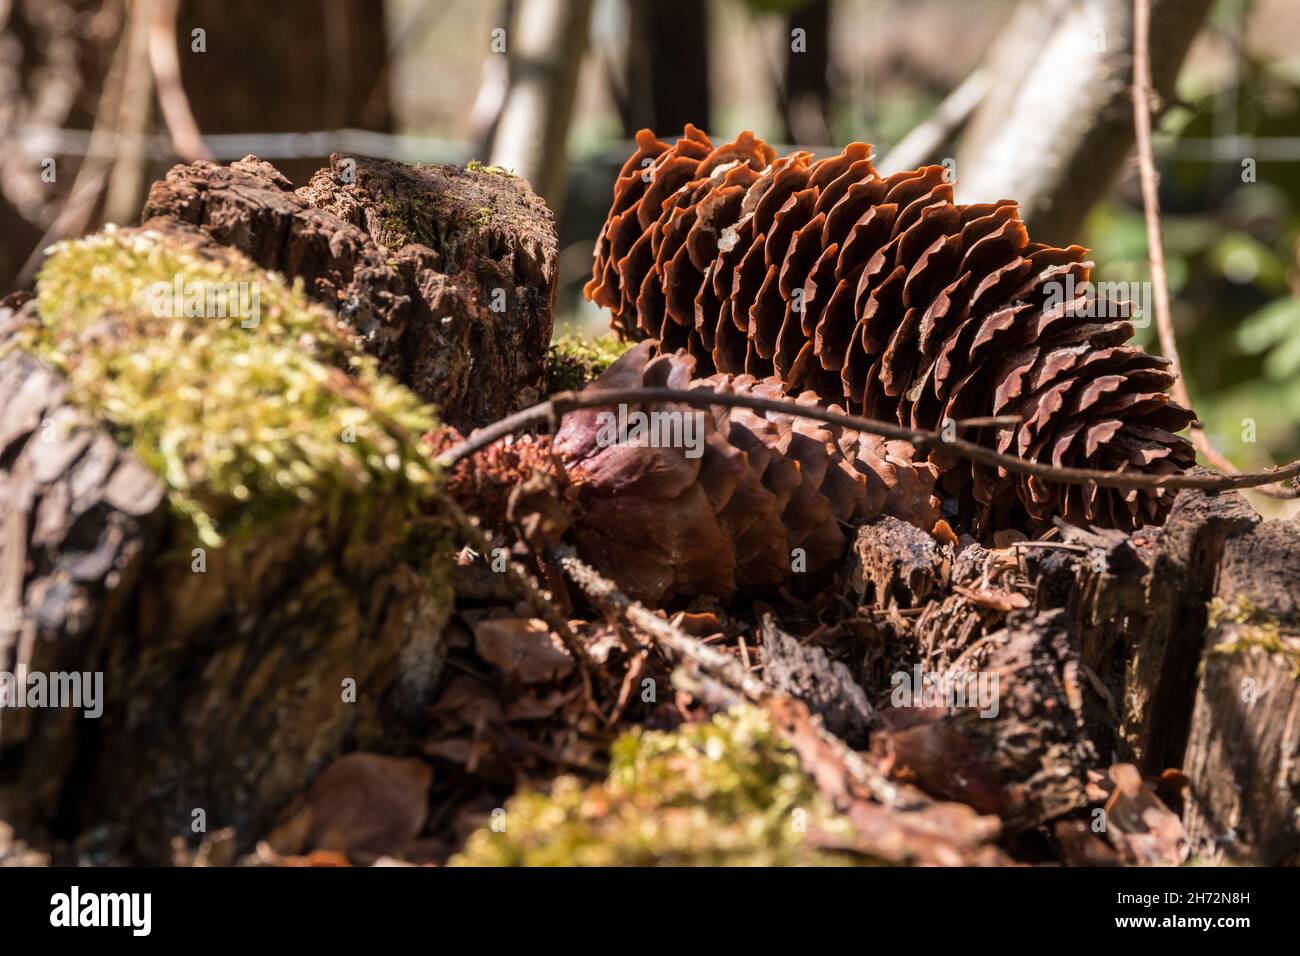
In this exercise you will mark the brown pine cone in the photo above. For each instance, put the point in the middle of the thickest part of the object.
(744, 500)
(664, 521)
(882, 294)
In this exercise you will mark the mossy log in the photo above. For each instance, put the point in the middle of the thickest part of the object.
(448, 273)
(213, 492)
(223, 516)
(728, 792)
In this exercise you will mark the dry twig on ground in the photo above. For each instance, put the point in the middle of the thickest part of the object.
(564, 402)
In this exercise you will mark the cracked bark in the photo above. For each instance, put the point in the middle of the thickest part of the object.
(449, 273)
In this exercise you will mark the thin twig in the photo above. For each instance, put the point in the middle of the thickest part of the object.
(1052, 545)
(724, 668)
(527, 588)
(176, 111)
(1156, 249)
(605, 595)
(562, 403)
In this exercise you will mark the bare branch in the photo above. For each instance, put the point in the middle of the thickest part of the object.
(1142, 91)
(175, 105)
(713, 662)
(562, 403)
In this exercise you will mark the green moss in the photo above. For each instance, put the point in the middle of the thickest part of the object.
(242, 423)
(725, 792)
(412, 219)
(406, 221)
(574, 360)
(474, 166)
(1254, 629)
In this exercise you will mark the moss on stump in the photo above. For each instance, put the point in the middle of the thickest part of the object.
(725, 792)
(284, 604)
(574, 360)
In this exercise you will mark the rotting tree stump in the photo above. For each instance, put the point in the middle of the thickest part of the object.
(228, 674)
(239, 657)
(1172, 647)
(79, 516)
(1243, 749)
(448, 273)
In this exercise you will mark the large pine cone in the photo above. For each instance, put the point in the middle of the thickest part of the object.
(736, 500)
(882, 294)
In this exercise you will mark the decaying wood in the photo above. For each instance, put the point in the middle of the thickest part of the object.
(1243, 750)
(1165, 645)
(896, 564)
(222, 691)
(1138, 605)
(895, 822)
(449, 273)
(1025, 758)
(1110, 664)
(231, 677)
(78, 516)
(826, 686)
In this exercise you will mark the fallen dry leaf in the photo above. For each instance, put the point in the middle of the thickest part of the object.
(1138, 823)
(927, 832)
(469, 700)
(1082, 847)
(943, 533)
(461, 750)
(534, 707)
(995, 599)
(696, 624)
(368, 805)
(1005, 538)
(523, 648)
(316, 858)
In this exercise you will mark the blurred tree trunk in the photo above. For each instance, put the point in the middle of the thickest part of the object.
(546, 47)
(806, 96)
(128, 176)
(246, 66)
(494, 86)
(1058, 122)
(668, 66)
(20, 237)
(290, 66)
(54, 57)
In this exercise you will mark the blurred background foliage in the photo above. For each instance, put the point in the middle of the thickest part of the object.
(1232, 243)
(453, 80)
